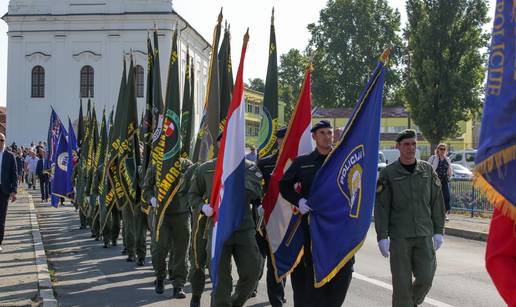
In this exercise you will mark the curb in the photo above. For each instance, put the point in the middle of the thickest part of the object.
(466, 234)
(45, 290)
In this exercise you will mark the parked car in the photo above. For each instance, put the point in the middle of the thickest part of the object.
(392, 155)
(461, 172)
(465, 158)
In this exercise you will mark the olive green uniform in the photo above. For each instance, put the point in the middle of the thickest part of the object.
(242, 243)
(410, 210)
(198, 195)
(141, 224)
(175, 230)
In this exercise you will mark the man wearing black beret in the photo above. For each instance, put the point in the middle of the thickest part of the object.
(302, 172)
(409, 221)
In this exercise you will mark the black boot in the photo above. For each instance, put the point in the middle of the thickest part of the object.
(140, 262)
(106, 245)
(196, 301)
(130, 258)
(160, 286)
(179, 293)
(113, 243)
(124, 251)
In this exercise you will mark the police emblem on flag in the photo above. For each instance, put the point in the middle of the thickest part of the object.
(350, 179)
(62, 161)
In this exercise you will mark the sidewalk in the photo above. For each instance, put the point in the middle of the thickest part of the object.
(18, 271)
(474, 228)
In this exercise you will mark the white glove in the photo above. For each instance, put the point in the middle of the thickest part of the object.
(438, 241)
(260, 210)
(303, 207)
(383, 245)
(153, 202)
(207, 210)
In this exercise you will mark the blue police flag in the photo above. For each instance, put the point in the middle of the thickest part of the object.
(73, 158)
(55, 128)
(495, 160)
(59, 165)
(343, 192)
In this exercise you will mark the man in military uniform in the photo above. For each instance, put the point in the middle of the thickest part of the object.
(129, 231)
(141, 224)
(275, 290)
(175, 231)
(241, 245)
(409, 212)
(302, 171)
(200, 186)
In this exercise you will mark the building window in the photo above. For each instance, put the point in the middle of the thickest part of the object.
(38, 82)
(140, 81)
(87, 76)
(252, 128)
(257, 108)
(249, 107)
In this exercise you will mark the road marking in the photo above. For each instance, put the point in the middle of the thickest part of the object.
(389, 287)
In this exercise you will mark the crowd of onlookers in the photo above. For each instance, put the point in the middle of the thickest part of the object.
(31, 167)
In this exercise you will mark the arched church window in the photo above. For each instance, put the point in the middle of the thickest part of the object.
(140, 81)
(38, 82)
(87, 77)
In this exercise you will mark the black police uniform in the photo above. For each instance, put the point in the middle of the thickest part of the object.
(303, 171)
(275, 290)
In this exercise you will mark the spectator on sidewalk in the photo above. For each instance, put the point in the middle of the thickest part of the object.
(19, 164)
(43, 175)
(31, 162)
(442, 166)
(8, 183)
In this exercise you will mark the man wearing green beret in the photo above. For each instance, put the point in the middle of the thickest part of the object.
(409, 221)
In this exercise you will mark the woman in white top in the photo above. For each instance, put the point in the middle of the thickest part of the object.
(442, 166)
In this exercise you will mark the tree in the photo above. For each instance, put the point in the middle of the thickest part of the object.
(446, 71)
(291, 73)
(257, 84)
(346, 44)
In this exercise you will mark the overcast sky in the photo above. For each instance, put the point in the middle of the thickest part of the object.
(292, 17)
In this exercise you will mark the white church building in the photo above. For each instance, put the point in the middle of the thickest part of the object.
(60, 51)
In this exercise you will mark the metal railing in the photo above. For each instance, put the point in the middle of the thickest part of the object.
(465, 197)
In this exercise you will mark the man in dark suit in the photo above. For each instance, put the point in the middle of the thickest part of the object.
(42, 171)
(8, 183)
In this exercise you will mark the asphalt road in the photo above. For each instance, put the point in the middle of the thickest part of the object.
(88, 275)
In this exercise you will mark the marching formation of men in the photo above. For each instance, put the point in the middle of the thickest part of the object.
(144, 178)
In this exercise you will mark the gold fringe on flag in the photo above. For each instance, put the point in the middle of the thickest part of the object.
(496, 161)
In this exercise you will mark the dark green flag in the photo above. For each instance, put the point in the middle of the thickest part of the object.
(115, 143)
(168, 183)
(106, 193)
(187, 110)
(146, 123)
(92, 143)
(81, 171)
(98, 169)
(80, 126)
(209, 128)
(157, 109)
(128, 150)
(269, 122)
(226, 77)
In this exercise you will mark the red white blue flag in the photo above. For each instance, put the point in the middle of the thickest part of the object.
(228, 197)
(281, 218)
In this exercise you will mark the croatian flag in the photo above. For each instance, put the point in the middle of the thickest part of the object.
(228, 198)
(282, 218)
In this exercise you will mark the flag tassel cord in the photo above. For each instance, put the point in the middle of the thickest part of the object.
(496, 161)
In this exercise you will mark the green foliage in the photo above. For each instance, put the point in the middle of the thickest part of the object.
(446, 67)
(257, 84)
(291, 73)
(346, 44)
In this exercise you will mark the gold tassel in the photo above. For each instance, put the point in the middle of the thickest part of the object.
(497, 199)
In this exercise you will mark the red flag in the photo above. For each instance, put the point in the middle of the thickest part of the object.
(280, 216)
(501, 255)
